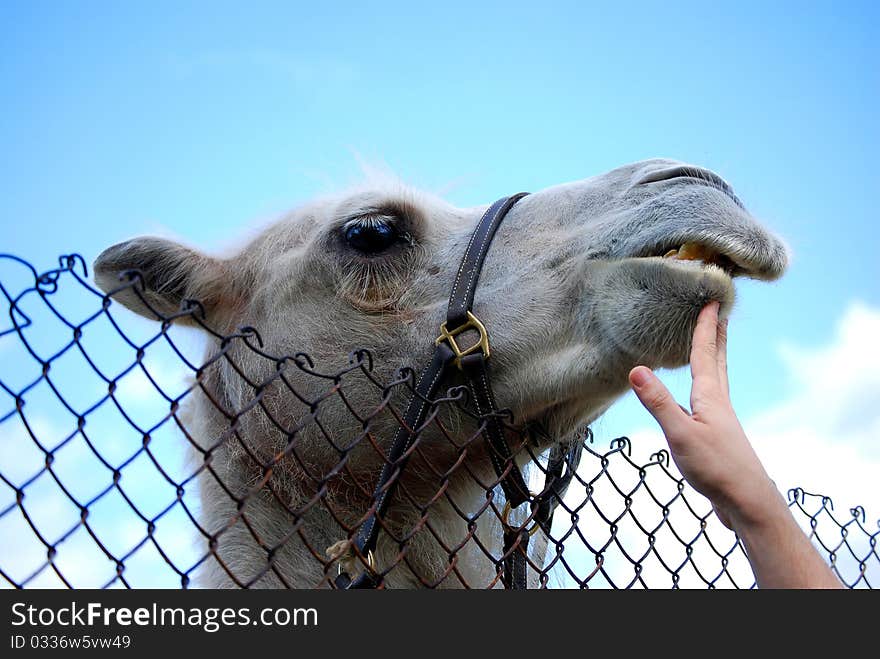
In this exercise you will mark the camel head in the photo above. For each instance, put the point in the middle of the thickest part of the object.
(583, 281)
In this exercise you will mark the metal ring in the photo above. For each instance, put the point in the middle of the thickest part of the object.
(505, 515)
(371, 563)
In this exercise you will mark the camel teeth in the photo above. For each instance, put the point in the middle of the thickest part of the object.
(692, 252)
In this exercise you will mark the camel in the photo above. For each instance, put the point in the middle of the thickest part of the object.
(583, 281)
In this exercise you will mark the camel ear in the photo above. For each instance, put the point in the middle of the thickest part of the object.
(170, 274)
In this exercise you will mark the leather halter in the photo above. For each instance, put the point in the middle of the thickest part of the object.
(473, 363)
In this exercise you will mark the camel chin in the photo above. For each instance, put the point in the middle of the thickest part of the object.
(649, 307)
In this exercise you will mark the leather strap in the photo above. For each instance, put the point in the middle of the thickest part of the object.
(516, 539)
(461, 299)
(475, 368)
(556, 481)
(516, 549)
(404, 439)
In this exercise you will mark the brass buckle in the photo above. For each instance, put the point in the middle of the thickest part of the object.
(472, 323)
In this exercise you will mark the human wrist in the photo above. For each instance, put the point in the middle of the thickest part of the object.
(780, 553)
(763, 508)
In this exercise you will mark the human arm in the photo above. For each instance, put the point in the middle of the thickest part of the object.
(715, 456)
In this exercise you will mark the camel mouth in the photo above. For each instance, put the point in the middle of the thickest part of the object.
(744, 252)
(703, 254)
(739, 252)
(728, 239)
(692, 174)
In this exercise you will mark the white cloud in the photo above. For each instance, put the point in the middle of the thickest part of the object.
(825, 437)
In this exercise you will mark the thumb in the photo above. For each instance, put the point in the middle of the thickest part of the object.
(656, 398)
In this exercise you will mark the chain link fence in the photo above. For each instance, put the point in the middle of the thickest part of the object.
(124, 463)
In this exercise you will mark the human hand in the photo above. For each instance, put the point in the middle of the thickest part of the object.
(714, 455)
(708, 444)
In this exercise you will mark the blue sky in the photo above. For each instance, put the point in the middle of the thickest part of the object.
(125, 118)
(118, 120)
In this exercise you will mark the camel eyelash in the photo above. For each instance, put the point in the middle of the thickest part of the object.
(370, 221)
(376, 221)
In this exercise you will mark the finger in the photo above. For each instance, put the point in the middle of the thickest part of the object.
(704, 347)
(721, 343)
(656, 398)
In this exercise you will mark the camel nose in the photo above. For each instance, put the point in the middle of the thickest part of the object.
(666, 173)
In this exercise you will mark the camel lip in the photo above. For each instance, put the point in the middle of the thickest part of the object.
(695, 175)
(713, 252)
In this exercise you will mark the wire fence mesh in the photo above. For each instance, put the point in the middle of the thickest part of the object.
(129, 458)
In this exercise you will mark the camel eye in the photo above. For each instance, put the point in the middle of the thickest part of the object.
(370, 235)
